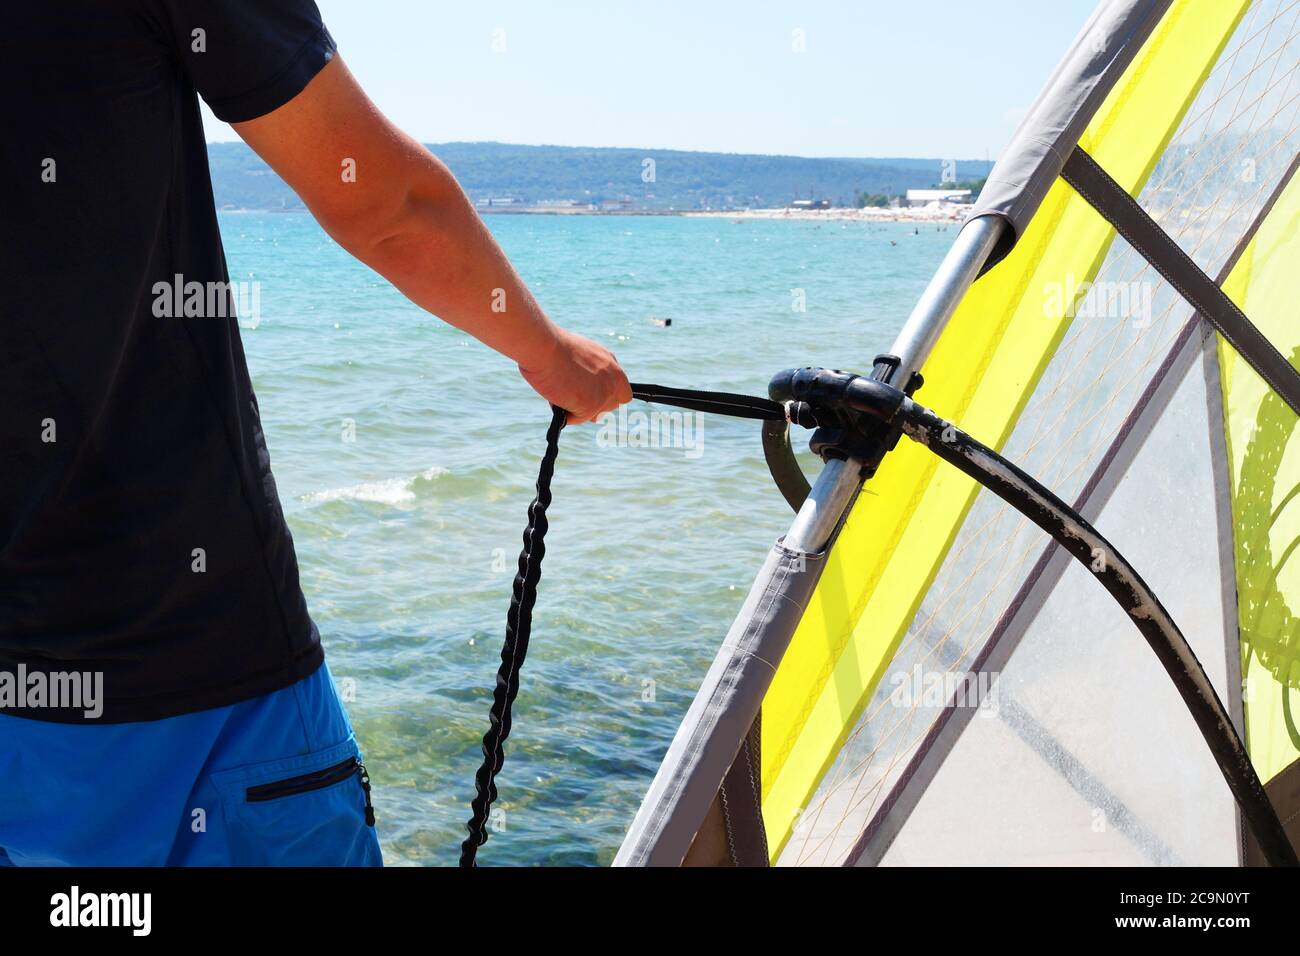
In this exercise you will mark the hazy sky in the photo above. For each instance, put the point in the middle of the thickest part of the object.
(935, 78)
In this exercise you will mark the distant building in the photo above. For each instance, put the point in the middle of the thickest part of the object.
(811, 204)
(615, 205)
(923, 197)
(501, 201)
(560, 205)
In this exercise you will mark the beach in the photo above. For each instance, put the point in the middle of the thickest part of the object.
(945, 213)
(941, 213)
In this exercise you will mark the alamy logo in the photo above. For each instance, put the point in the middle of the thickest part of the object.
(638, 429)
(942, 689)
(207, 300)
(55, 690)
(1070, 299)
(131, 910)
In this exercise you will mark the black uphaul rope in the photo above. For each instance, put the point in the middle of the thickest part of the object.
(519, 619)
(842, 404)
(519, 625)
(724, 403)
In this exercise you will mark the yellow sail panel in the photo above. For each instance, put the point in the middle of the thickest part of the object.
(981, 374)
(1264, 473)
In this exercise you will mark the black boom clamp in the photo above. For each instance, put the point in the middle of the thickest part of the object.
(822, 398)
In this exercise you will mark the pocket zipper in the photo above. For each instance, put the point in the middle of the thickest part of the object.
(317, 780)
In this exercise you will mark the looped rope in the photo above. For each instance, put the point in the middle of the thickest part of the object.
(519, 624)
(519, 619)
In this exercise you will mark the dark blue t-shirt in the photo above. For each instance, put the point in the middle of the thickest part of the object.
(141, 535)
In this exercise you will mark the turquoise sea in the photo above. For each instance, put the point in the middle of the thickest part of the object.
(406, 453)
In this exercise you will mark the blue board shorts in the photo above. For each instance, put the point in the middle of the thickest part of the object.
(273, 781)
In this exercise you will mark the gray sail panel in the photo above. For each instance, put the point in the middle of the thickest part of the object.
(1023, 609)
(1126, 779)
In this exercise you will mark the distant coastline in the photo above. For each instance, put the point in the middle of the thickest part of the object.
(951, 215)
(562, 180)
(947, 213)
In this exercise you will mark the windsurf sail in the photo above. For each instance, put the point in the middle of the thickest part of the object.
(918, 675)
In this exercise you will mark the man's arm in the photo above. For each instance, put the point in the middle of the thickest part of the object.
(407, 218)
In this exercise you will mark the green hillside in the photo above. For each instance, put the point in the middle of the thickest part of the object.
(681, 180)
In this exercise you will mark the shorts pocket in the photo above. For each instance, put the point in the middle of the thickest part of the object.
(307, 810)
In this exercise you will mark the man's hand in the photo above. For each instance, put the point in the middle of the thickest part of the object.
(393, 205)
(579, 376)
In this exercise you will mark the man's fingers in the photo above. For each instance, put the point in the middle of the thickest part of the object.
(582, 418)
(608, 396)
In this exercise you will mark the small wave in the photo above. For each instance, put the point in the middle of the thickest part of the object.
(386, 491)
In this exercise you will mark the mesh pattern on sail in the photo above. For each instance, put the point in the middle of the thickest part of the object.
(1235, 142)
(1083, 752)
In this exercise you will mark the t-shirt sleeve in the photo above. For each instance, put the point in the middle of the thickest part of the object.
(248, 57)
